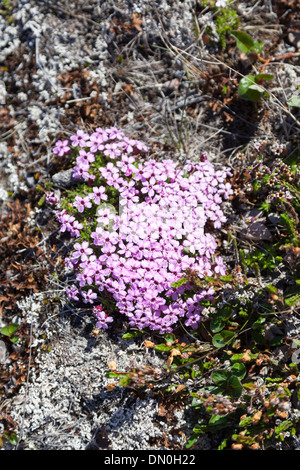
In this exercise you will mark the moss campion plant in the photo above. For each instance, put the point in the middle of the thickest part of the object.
(138, 226)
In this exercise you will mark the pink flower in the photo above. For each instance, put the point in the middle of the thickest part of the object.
(219, 267)
(79, 139)
(82, 171)
(98, 194)
(61, 148)
(89, 296)
(82, 250)
(72, 293)
(50, 197)
(85, 158)
(82, 202)
(102, 317)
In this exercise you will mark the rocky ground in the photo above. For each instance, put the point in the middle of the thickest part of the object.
(150, 69)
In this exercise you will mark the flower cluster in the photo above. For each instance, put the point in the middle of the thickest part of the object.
(147, 226)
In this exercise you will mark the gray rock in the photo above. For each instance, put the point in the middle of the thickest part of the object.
(255, 226)
(65, 179)
(257, 231)
(274, 219)
(2, 352)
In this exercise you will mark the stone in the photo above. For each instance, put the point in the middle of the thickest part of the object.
(257, 231)
(65, 179)
(2, 352)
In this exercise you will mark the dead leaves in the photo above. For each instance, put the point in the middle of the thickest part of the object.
(20, 255)
(88, 93)
(137, 22)
(174, 353)
(149, 344)
(118, 26)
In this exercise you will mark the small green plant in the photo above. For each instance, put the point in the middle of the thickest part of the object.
(8, 437)
(226, 21)
(5, 10)
(250, 87)
(245, 43)
(9, 331)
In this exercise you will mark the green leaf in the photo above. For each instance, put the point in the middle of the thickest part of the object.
(234, 387)
(179, 283)
(272, 289)
(258, 324)
(264, 76)
(41, 201)
(243, 41)
(217, 324)
(162, 347)
(292, 300)
(218, 422)
(112, 375)
(14, 339)
(226, 278)
(223, 338)
(222, 445)
(246, 43)
(257, 47)
(294, 101)
(125, 380)
(256, 87)
(9, 329)
(249, 386)
(134, 334)
(200, 428)
(245, 83)
(5, 331)
(191, 441)
(246, 421)
(169, 338)
(219, 377)
(254, 93)
(238, 370)
(249, 89)
(13, 439)
(283, 426)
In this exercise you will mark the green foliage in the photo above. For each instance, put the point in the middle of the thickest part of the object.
(267, 258)
(9, 331)
(222, 339)
(250, 88)
(10, 437)
(226, 21)
(246, 43)
(5, 11)
(229, 381)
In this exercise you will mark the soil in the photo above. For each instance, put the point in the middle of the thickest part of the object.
(151, 69)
